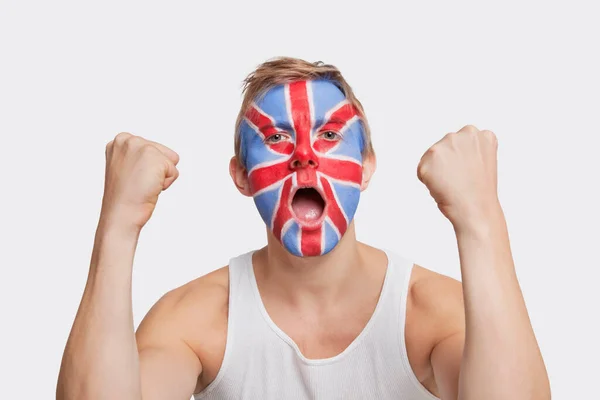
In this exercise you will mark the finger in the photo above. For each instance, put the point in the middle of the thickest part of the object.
(171, 175)
(171, 155)
(421, 171)
(108, 149)
(468, 128)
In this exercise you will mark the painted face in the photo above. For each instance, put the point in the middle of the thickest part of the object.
(302, 147)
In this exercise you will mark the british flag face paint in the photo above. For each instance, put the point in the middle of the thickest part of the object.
(302, 146)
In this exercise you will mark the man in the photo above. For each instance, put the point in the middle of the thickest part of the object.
(315, 313)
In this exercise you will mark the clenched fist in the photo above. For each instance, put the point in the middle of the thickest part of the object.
(137, 170)
(460, 172)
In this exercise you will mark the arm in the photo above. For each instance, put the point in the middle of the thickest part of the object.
(501, 358)
(101, 358)
(497, 356)
(501, 355)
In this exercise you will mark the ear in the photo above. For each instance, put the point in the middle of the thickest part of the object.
(368, 169)
(239, 175)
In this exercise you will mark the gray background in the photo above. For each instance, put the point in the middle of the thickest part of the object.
(73, 75)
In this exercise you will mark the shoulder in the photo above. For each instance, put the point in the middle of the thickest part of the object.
(436, 300)
(434, 311)
(189, 311)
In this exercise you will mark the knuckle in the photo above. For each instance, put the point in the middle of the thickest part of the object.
(470, 128)
(133, 141)
(491, 136)
(450, 137)
(147, 148)
(121, 138)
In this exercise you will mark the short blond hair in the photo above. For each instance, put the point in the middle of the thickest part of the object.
(282, 70)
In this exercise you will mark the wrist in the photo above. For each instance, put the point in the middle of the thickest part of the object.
(119, 222)
(113, 230)
(480, 223)
(114, 247)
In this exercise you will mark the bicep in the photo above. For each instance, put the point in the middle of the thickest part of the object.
(168, 371)
(446, 359)
(169, 368)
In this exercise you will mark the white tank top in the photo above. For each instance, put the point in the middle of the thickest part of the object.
(263, 362)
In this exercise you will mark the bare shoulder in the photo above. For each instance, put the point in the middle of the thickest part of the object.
(434, 311)
(436, 300)
(191, 311)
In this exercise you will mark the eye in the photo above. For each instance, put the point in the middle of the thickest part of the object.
(276, 138)
(330, 135)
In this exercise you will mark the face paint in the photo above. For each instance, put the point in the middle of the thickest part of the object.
(302, 147)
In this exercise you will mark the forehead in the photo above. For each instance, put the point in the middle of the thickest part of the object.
(322, 96)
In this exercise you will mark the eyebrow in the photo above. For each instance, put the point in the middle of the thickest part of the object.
(323, 121)
(318, 124)
(277, 125)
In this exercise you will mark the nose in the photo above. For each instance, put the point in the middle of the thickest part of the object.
(303, 157)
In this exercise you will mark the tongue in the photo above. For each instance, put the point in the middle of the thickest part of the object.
(308, 205)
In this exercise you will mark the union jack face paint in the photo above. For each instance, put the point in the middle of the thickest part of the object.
(302, 144)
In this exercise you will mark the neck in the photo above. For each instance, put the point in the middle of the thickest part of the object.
(312, 280)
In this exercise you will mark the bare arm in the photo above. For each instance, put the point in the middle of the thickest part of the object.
(101, 358)
(501, 358)
(497, 356)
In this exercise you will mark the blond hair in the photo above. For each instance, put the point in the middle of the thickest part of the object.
(282, 70)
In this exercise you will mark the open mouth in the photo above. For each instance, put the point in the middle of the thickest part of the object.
(308, 207)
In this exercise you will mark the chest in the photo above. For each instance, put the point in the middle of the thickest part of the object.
(324, 334)
(319, 338)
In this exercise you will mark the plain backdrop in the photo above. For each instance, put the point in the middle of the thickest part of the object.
(73, 75)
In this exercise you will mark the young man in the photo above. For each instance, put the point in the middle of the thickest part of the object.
(315, 314)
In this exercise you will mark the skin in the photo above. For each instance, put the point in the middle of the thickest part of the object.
(464, 341)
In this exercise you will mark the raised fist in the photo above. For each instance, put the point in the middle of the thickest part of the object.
(460, 172)
(137, 171)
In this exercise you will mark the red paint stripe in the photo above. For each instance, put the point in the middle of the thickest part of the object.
(333, 208)
(261, 178)
(341, 169)
(336, 122)
(286, 147)
(283, 213)
(310, 242)
(300, 111)
(339, 118)
(262, 121)
(323, 145)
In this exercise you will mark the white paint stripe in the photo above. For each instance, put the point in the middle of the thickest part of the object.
(339, 181)
(332, 110)
(266, 164)
(269, 188)
(340, 157)
(337, 199)
(323, 229)
(277, 207)
(288, 107)
(254, 128)
(286, 227)
(311, 110)
(300, 241)
(328, 220)
(262, 112)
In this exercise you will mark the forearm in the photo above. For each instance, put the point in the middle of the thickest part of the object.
(101, 358)
(501, 358)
